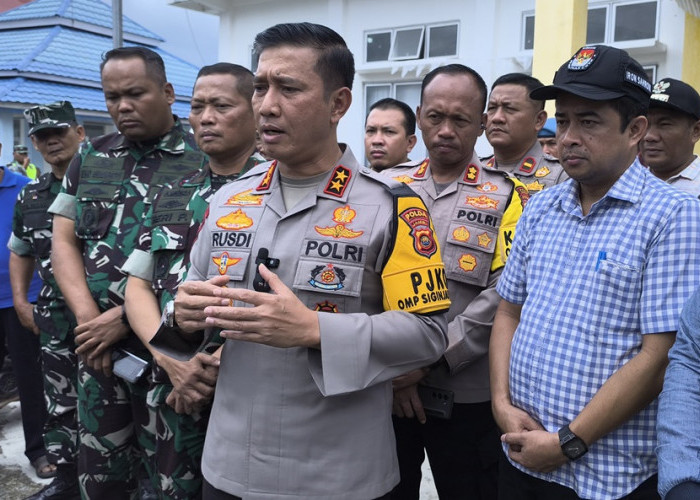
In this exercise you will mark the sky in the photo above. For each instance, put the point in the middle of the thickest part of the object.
(189, 35)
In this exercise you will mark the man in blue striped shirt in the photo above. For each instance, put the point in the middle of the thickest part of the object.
(592, 291)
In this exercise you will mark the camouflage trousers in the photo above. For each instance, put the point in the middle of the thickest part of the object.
(179, 442)
(115, 430)
(60, 368)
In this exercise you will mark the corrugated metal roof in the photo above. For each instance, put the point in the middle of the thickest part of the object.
(71, 53)
(29, 92)
(87, 11)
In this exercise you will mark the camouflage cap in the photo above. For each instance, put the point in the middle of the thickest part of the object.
(58, 114)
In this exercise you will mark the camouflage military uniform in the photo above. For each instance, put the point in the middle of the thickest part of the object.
(106, 191)
(32, 233)
(161, 256)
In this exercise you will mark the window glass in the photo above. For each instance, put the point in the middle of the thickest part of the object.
(407, 44)
(595, 30)
(442, 41)
(529, 33)
(635, 21)
(378, 45)
(375, 92)
(651, 72)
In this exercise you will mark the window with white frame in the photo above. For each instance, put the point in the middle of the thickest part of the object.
(608, 22)
(651, 72)
(412, 42)
(408, 92)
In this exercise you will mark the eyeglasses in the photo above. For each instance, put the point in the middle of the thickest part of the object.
(45, 134)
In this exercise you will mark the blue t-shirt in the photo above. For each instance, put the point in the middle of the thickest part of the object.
(10, 186)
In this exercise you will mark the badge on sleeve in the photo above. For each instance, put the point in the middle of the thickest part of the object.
(413, 276)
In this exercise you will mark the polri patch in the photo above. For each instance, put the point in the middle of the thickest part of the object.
(328, 277)
(341, 216)
(418, 221)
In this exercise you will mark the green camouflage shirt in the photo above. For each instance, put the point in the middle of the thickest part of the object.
(32, 231)
(108, 190)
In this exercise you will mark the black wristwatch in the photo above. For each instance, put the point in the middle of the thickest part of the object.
(572, 446)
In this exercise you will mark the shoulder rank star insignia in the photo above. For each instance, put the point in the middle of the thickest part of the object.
(467, 262)
(487, 187)
(235, 221)
(471, 175)
(245, 198)
(542, 172)
(224, 261)
(341, 216)
(484, 240)
(482, 201)
(418, 221)
(403, 178)
(461, 234)
(338, 181)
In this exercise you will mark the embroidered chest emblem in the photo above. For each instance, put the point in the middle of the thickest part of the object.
(341, 216)
(467, 262)
(482, 201)
(245, 198)
(418, 221)
(235, 221)
(484, 240)
(338, 181)
(488, 187)
(461, 234)
(327, 277)
(326, 306)
(224, 261)
(542, 172)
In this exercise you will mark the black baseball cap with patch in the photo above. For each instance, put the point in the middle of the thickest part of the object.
(58, 114)
(676, 95)
(599, 73)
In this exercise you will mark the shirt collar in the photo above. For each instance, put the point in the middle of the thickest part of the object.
(691, 172)
(173, 141)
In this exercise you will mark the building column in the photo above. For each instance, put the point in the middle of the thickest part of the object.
(560, 29)
(690, 73)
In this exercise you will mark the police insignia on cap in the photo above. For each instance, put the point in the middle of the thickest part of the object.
(583, 59)
(418, 221)
(658, 93)
(224, 261)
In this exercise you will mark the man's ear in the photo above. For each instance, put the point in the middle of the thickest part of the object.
(637, 128)
(412, 139)
(169, 92)
(695, 131)
(340, 103)
(540, 120)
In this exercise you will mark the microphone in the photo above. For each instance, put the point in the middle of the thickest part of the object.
(259, 284)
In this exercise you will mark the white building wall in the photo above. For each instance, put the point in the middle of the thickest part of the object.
(490, 40)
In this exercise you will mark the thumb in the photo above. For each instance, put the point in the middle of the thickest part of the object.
(512, 438)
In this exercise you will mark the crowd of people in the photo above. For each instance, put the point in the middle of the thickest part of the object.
(246, 311)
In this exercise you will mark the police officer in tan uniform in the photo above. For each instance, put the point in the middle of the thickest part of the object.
(513, 121)
(475, 210)
(334, 286)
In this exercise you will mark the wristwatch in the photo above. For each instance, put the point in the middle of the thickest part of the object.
(572, 446)
(169, 315)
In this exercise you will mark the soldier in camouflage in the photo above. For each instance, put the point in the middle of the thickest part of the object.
(105, 193)
(56, 134)
(512, 123)
(223, 124)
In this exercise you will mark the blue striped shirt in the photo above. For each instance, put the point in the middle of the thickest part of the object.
(590, 287)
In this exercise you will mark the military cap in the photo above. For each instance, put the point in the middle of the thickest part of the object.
(20, 148)
(58, 114)
(676, 95)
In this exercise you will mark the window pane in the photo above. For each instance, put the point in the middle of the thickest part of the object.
(442, 41)
(529, 38)
(410, 94)
(378, 45)
(595, 31)
(375, 92)
(635, 22)
(408, 44)
(651, 72)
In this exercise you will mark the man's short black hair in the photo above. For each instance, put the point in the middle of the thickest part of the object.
(409, 117)
(155, 67)
(529, 82)
(335, 65)
(628, 109)
(243, 76)
(456, 69)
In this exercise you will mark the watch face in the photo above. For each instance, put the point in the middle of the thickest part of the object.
(574, 448)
